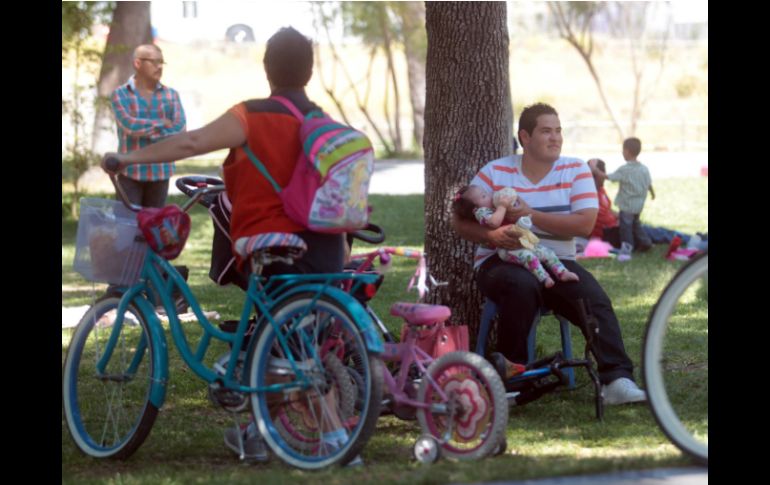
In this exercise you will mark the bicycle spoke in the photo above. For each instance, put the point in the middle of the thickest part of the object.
(107, 411)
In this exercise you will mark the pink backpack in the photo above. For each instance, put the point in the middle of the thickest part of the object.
(329, 187)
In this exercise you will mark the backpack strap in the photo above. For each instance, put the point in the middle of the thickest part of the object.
(290, 106)
(261, 167)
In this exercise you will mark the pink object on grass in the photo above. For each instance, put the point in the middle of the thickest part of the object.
(596, 248)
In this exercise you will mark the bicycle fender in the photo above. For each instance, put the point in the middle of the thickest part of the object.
(160, 356)
(361, 318)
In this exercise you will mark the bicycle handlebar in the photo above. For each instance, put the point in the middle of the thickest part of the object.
(421, 274)
(197, 186)
(112, 165)
(188, 185)
(206, 185)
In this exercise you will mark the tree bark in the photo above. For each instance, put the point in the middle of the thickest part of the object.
(129, 28)
(468, 122)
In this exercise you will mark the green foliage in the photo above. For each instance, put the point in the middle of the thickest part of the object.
(365, 20)
(77, 18)
(383, 26)
(686, 86)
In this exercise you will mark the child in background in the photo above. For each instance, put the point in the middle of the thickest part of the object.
(635, 182)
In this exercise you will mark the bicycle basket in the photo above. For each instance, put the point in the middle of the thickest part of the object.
(109, 247)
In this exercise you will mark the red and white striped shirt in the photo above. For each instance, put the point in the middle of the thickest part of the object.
(567, 188)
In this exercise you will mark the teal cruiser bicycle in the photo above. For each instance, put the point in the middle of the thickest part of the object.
(309, 368)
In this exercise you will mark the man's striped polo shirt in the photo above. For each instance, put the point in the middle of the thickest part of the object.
(567, 188)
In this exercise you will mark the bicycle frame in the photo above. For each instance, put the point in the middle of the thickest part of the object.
(407, 353)
(262, 294)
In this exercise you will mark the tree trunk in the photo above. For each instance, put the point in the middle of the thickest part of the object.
(468, 122)
(413, 22)
(129, 28)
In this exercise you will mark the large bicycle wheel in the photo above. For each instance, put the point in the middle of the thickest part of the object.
(675, 359)
(302, 437)
(329, 419)
(470, 421)
(107, 381)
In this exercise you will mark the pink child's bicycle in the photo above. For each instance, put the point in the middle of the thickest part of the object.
(458, 398)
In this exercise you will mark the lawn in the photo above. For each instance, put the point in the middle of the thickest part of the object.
(556, 435)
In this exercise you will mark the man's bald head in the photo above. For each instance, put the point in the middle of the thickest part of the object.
(145, 50)
(148, 65)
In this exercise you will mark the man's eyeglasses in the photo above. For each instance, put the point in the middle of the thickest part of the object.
(154, 62)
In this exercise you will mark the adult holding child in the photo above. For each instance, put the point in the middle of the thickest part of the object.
(559, 196)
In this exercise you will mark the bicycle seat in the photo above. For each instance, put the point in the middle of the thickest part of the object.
(420, 313)
(279, 244)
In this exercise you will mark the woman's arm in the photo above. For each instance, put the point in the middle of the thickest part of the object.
(224, 132)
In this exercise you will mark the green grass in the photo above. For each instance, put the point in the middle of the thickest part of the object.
(556, 435)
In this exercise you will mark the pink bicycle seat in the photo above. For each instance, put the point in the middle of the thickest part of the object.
(420, 313)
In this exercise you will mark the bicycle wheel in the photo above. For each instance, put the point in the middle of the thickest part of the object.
(675, 359)
(324, 422)
(345, 388)
(470, 423)
(106, 404)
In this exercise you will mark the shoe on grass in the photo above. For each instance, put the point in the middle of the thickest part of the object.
(622, 391)
(254, 447)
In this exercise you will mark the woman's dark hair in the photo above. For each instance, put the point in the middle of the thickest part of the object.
(461, 206)
(600, 165)
(288, 59)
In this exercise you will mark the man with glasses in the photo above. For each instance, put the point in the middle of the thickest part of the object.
(146, 111)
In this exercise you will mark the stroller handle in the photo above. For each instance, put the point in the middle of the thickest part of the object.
(372, 234)
(193, 185)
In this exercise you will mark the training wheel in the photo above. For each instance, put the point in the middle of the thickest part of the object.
(426, 449)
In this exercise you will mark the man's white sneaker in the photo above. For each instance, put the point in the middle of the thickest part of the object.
(622, 391)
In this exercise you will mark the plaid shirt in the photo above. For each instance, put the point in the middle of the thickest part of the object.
(141, 123)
